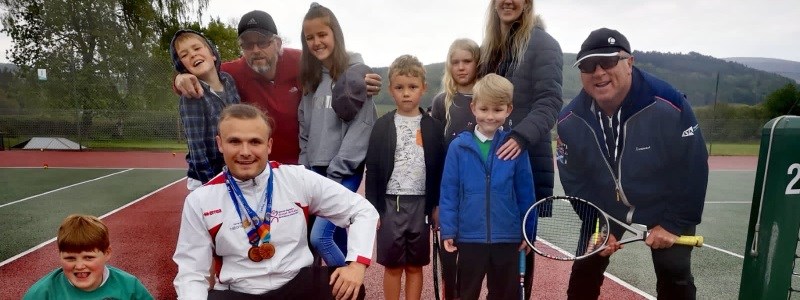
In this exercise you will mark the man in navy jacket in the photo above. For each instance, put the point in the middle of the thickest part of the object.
(630, 143)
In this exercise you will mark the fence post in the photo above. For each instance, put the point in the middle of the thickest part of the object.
(772, 236)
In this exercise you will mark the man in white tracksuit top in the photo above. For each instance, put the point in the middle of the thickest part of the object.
(215, 226)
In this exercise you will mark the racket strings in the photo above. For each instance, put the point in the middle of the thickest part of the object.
(574, 229)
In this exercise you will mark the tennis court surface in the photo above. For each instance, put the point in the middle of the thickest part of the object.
(140, 195)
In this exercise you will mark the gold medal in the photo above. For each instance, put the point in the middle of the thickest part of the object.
(266, 250)
(254, 254)
(246, 222)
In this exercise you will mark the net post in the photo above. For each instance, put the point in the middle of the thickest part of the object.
(772, 233)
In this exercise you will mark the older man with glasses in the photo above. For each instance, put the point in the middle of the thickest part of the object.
(630, 143)
(267, 76)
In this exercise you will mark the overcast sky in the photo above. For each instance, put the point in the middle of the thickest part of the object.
(381, 30)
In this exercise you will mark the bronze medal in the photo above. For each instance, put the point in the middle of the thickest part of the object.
(266, 250)
(254, 254)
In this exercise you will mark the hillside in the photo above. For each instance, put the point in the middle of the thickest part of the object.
(5, 66)
(694, 74)
(788, 68)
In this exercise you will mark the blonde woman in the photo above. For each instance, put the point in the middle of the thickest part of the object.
(517, 47)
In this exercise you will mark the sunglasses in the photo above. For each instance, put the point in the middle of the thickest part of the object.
(262, 43)
(606, 62)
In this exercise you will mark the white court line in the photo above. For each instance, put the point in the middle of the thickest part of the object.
(62, 188)
(723, 251)
(629, 286)
(729, 202)
(616, 279)
(15, 257)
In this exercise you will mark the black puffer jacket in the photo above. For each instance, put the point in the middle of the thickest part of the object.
(537, 101)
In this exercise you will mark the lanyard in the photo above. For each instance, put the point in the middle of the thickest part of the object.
(257, 229)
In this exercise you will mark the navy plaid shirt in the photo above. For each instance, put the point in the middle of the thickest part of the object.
(200, 118)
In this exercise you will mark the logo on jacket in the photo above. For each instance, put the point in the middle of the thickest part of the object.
(212, 212)
(276, 216)
(293, 90)
(561, 152)
(690, 131)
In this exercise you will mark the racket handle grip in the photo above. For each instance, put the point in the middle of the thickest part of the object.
(690, 240)
(522, 262)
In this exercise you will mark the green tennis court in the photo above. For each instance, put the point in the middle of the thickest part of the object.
(35, 200)
(717, 265)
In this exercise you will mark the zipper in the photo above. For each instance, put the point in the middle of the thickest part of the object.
(488, 204)
(620, 195)
(599, 148)
(620, 191)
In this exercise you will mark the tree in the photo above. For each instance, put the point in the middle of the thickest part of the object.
(783, 101)
(99, 54)
(99, 51)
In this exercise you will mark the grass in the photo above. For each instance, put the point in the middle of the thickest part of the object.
(733, 149)
(166, 145)
(384, 108)
(156, 145)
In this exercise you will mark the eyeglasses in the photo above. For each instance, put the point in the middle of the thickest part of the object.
(606, 62)
(261, 43)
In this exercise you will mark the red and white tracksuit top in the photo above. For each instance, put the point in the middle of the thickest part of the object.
(211, 227)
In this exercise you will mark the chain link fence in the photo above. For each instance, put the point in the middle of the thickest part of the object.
(135, 105)
(85, 126)
(139, 106)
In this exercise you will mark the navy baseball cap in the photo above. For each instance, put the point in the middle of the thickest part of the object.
(603, 42)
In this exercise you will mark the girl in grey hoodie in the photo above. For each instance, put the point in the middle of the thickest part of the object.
(336, 117)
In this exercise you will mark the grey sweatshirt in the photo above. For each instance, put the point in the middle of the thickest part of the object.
(327, 140)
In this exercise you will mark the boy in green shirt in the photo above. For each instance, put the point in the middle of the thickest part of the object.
(84, 249)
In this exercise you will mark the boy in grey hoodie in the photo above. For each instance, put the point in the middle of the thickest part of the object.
(193, 53)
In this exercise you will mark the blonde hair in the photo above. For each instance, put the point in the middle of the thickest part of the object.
(79, 233)
(493, 89)
(449, 87)
(495, 39)
(407, 65)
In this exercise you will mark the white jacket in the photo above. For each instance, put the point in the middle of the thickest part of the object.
(211, 226)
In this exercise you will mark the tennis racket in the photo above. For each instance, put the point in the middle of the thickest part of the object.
(577, 229)
(522, 274)
(437, 274)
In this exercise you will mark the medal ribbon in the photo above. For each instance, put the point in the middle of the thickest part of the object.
(259, 229)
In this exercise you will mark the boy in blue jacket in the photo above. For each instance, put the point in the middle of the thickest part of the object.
(484, 198)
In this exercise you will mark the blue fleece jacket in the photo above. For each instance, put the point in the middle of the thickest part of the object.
(662, 166)
(484, 201)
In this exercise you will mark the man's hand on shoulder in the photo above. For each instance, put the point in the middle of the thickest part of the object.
(373, 81)
(188, 85)
(346, 281)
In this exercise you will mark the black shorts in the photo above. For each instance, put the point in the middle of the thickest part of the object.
(403, 238)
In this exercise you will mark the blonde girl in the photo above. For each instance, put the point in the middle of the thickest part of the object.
(451, 106)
